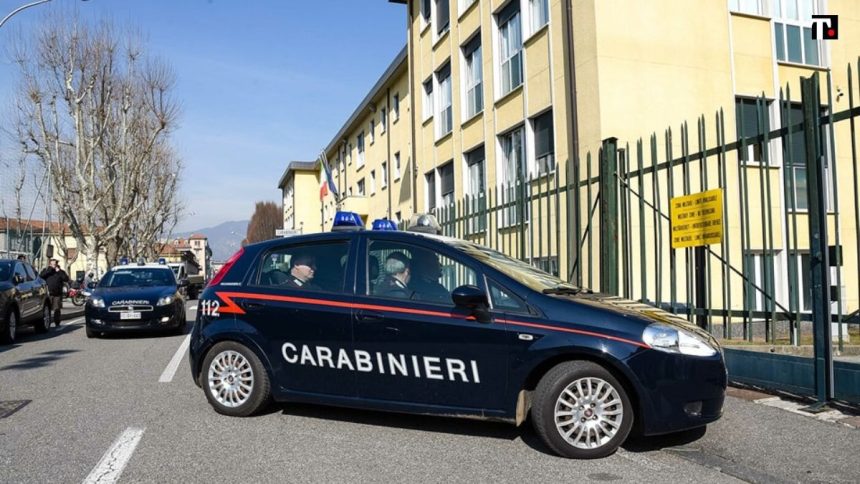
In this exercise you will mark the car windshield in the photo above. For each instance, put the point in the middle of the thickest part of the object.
(138, 278)
(529, 275)
(5, 270)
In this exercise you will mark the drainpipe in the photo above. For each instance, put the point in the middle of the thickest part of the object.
(411, 63)
(570, 100)
(388, 139)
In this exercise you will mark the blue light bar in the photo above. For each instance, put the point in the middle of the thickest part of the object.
(123, 261)
(347, 221)
(384, 224)
(162, 261)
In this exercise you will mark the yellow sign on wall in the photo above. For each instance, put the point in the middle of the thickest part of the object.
(697, 219)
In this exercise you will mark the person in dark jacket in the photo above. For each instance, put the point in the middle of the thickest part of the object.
(55, 277)
(397, 275)
(425, 278)
(302, 270)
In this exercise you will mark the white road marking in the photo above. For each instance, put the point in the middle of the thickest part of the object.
(115, 459)
(167, 376)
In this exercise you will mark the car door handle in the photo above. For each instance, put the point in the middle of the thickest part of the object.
(251, 306)
(369, 317)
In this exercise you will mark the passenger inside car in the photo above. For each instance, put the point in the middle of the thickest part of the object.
(424, 282)
(397, 275)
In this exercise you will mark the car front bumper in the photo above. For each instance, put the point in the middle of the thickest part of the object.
(678, 392)
(160, 318)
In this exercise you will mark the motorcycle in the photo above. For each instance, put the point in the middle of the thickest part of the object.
(77, 296)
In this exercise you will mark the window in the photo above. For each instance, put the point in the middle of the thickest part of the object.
(747, 6)
(395, 107)
(546, 264)
(505, 300)
(384, 173)
(428, 99)
(445, 122)
(748, 122)
(430, 179)
(425, 11)
(383, 120)
(349, 155)
(793, 32)
(360, 188)
(474, 78)
(406, 271)
(20, 271)
(539, 12)
(372, 182)
(359, 141)
(510, 47)
(315, 267)
(476, 200)
(31, 275)
(544, 146)
(512, 171)
(371, 130)
(464, 5)
(397, 165)
(446, 182)
(759, 269)
(804, 276)
(349, 192)
(443, 17)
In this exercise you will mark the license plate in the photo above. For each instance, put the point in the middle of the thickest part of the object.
(129, 315)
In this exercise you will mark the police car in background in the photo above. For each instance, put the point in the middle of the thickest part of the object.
(420, 323)
(136, 297)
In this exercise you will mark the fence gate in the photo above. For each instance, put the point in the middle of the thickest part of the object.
(767, 278)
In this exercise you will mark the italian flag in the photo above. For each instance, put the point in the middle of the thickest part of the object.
(326, 183)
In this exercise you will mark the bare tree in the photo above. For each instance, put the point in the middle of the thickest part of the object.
(97, 113)
(266, 219)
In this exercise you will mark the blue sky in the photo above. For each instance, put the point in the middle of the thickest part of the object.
(261, 82)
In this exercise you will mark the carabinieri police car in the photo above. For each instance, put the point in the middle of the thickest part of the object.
(420, 323)
(136, 297)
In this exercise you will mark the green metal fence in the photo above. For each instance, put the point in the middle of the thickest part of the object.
(779, 273)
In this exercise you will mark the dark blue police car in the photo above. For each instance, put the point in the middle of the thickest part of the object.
(136, 297)
(421, 323)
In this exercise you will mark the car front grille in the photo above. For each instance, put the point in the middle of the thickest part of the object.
(123, 309)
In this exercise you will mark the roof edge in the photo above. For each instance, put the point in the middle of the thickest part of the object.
(395, 65)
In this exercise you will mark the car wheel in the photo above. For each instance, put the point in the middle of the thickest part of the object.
(91, 333)
(234, 380)
(9, 331)
(44, 324)
(581, 410)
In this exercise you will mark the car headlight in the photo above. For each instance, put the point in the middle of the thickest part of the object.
(165, 301)
(97, 302)
(663, 337)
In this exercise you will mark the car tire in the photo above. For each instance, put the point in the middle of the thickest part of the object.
(10, 328)
(581, 411)
(43, 325)
(228, 369)
(91, 333)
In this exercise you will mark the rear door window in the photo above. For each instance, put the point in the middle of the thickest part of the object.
(400, 270)
(313, 267)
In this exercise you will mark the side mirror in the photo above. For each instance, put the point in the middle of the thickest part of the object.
(470, 297)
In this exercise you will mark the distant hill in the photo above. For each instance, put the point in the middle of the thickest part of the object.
(224, 239)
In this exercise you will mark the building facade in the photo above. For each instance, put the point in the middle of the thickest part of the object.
(502, 97)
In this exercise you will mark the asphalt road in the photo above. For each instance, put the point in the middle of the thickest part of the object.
(95, 404)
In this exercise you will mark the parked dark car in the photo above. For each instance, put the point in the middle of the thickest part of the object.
(23, 300)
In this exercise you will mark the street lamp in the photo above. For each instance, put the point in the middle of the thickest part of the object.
(24, 7)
